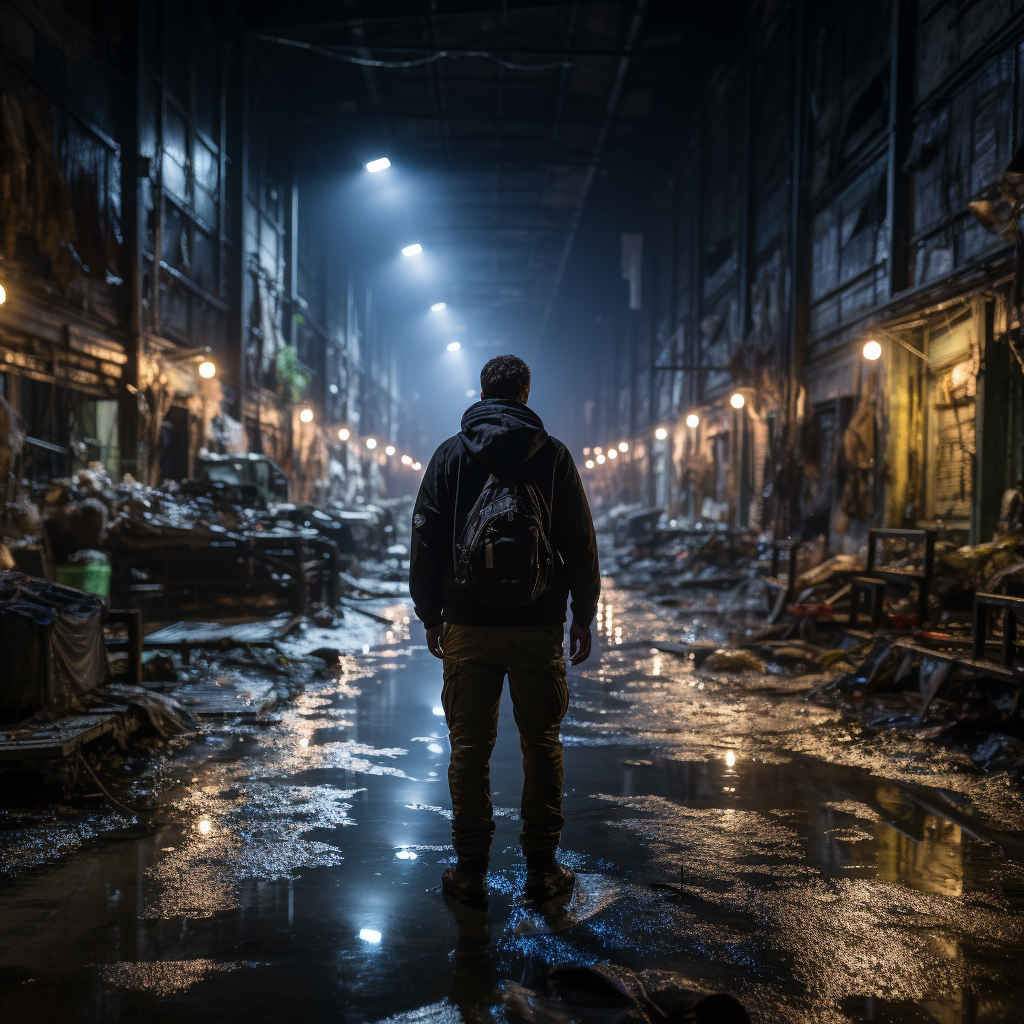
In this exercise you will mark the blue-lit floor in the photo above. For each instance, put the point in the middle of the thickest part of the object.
(727, 836)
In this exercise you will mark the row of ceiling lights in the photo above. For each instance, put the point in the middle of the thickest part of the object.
(415, 249)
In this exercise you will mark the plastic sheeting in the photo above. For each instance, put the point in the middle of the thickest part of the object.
(51, 639)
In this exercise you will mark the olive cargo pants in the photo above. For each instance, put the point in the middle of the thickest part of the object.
(476, 660)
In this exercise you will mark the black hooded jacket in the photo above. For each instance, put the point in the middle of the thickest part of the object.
(501, 434)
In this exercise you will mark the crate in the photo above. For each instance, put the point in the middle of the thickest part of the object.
(93, 578)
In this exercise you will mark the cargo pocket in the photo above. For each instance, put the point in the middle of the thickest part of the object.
(558, 690)
(448, 688)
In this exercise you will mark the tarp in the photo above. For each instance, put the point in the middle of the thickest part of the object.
(51, 639)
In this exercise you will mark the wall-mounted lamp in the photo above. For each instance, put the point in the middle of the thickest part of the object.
(306, 416)
(737, 401)
(380, 164)
(661, 433)
(412, 250)
(207, 369)
(693, 420)
(344, 434)
(589, 463)
(390, 450)
(623, 447)
(872, 350)
(371, 443)
(3, 295)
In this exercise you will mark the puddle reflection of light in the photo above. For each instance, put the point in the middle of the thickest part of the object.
(389, 636)
(366, 648)
(370, 935)
(405, 854)
(435, 748)
(205, 826)
(730, 758)
(438, 711)
(304, 742)
(656, 668)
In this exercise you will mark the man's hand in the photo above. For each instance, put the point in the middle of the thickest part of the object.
(434, 634)
(579, 643)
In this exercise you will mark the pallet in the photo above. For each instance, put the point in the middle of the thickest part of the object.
(35, 741)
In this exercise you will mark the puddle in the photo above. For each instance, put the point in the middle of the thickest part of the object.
(727, 836)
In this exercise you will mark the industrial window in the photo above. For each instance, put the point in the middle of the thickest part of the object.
(949, 407)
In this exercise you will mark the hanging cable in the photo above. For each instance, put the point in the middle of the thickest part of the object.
(429, 59)
(106, 792)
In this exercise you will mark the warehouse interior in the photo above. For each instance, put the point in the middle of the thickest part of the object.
(765, 261)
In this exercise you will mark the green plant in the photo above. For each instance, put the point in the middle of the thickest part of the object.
(292, 375)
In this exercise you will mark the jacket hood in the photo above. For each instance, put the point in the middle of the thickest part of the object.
(502, 433)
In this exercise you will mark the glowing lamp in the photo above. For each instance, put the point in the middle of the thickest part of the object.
(3, 295)
(417, 465)
(371, 443)
(612, 453)
(872, 350)
(589, 463)
(454, 346)
(344, 434)
(600, 460)
(406, 460)
(599, 451)
(661, 433)
(390, 450)
(380, 164)
(623, 446)
(412, 250)
(207, 369)
(306, 415)
(438, 306)
(693, 420)
(737, 401)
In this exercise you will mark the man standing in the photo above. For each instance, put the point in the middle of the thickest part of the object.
(502, 534)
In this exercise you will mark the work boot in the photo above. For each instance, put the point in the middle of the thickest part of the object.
(546, 878)
(467, 881)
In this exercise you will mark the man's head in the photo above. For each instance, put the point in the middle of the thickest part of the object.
(505, 377)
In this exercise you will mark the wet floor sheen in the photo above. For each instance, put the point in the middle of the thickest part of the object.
(728, 836)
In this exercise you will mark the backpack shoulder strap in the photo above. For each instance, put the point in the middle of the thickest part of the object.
(455, 510)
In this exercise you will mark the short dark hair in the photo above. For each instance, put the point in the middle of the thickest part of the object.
(505, 377)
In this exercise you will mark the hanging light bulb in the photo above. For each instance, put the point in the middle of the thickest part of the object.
(693, 420)
(737, 401)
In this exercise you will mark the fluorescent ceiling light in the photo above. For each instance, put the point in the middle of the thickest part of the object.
(438, 306)
(380, 164)
(412, 250)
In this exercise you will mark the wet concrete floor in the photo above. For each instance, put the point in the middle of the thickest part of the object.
(728, 835)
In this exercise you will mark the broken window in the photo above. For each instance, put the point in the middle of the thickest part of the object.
(952, 382)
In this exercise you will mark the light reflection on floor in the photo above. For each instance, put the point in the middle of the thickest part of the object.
(733, 837)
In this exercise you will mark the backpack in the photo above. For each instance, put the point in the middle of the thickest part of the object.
(504, 557)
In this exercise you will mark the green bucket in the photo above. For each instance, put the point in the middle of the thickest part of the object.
(93, 578)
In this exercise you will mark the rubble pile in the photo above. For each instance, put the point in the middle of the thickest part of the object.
(208, 540)
(892, 684)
